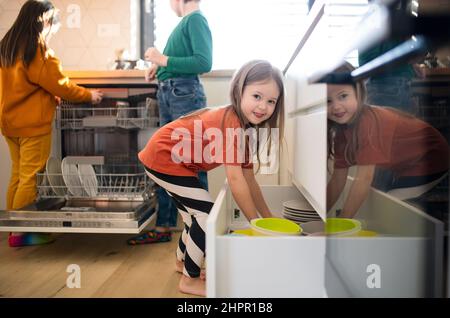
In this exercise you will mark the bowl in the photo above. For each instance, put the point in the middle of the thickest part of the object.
(246, 232)
(341, 226)
(365, 233)
(313, 227)
(275, 227)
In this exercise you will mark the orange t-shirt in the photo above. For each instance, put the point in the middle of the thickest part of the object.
(406, 145)
(199, 142)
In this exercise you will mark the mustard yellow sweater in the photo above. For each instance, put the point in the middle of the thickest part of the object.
(27, 95)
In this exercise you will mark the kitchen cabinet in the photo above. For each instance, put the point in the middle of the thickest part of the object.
(405, 259)
(408, 251)
(244, 266)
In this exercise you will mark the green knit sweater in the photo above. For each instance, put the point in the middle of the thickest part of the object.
(189, 48)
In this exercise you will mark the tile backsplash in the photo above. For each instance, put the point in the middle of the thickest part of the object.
(91, 30)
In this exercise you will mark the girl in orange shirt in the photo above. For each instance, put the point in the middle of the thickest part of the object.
(392, 151)
(30, 82)
(205, 140)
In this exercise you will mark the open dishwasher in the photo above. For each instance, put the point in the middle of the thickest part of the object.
(93, 181)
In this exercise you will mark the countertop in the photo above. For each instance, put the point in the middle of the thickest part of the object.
(126, 76)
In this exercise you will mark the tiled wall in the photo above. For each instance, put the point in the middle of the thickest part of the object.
(104, 25)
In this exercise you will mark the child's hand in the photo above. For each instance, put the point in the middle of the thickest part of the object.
(154, 56)
(97, 96)
(150, 73)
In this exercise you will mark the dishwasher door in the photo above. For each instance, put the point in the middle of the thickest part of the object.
(81, 216)
(93, 181)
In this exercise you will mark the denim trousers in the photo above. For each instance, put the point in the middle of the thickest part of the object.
(177, 97)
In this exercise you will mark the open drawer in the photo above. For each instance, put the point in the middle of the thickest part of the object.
(240, 266)
(406, 259)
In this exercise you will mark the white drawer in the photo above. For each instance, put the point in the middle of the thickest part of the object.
(261, 266)
(408, 255)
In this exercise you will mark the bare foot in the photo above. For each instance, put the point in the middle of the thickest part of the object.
(179, 265)
(193, 286)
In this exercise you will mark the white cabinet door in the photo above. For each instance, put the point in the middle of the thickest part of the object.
(261, 267)
(310, 157)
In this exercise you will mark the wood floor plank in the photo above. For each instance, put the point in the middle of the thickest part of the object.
(42, 271)
(148, 272)
(109, 268)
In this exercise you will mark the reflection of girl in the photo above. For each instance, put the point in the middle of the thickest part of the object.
(413, 153)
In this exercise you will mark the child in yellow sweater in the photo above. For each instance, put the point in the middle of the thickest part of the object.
(30, 83)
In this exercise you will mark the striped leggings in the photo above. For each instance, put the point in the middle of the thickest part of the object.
(194, 204)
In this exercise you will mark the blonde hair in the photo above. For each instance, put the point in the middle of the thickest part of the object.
(258, 71)
(352, 147)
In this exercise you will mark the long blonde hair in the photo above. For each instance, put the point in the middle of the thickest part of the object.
(258, 71)
(352, 147)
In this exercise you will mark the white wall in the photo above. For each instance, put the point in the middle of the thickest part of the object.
(5, 171)
(90, 30)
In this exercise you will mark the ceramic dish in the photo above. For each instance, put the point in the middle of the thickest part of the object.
(72, 178)
(54, 176)
(298, 205)
(88, 179)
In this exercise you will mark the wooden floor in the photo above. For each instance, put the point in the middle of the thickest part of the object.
(109, 268)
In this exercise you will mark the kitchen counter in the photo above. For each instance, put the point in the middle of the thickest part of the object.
(127, 76)
(440, 71)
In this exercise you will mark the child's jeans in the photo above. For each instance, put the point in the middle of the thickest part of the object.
(194, 204)
(29, 156)
(177, 97)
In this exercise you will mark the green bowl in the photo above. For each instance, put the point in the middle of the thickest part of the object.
(276, 226)
(337, 226)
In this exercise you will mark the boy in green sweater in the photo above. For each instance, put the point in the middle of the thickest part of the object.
(187, 54)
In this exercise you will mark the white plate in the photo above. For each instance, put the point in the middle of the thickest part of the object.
(301, 213)
(298, 205)
(88, 179)
(301, 219)
(306, 213)
(54, 176)
(71, 178)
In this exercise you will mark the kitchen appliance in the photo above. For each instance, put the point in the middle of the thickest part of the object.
(93, 181)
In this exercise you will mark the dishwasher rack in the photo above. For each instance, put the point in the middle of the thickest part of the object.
(139, 115)
(109, 182)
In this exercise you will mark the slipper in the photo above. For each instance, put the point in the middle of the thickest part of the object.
(150, 237)
(29, 239)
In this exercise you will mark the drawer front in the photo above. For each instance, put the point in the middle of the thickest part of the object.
(261, 266)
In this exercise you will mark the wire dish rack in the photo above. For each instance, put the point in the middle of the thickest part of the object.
(102, 181)
(81, 116)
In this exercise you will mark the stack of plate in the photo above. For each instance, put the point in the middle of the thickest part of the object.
(299, 211)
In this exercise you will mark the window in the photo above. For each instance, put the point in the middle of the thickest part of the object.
(256, 29)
